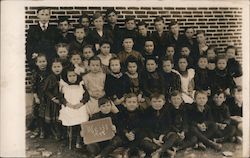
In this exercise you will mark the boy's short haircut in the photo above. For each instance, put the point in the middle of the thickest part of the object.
(166, 58)
(78, 26)
(82, 17)
(94, 58)
(200, 32)
(110, 10)
(157, 96)
(103, 100)
(131, 59)
(158, 18)
(97, 15)
(142, 23)
(63, 18)
(199, 92)
(42, 8)
(172, 23)
(129, 18)
(175, 93)
(62, 45)
(188, 27)
(129, 95)
(114, 58)
(231, 47)
(220, 57)
(87, 46)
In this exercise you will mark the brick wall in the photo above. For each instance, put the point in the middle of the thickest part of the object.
(223, 25)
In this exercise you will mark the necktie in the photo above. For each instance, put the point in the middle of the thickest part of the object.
(43, 27)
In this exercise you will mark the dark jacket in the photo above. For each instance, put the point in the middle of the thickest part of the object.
(39, 41)
(156, 122)
(195, 116)
(221, 113)
(234, 68)
(177, 118)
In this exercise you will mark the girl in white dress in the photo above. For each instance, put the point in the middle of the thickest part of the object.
(187, 80)
(73, 111)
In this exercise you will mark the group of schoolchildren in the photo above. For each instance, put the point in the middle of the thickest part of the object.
(164, 91)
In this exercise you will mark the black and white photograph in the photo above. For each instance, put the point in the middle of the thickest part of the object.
(130, 79)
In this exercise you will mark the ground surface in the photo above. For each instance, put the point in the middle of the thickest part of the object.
(58, 149)
(35, 147)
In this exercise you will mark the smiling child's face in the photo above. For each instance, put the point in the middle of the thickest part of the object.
(41, 62)
(105, 108)
(131, 103)
(157, 103)
(176, 101)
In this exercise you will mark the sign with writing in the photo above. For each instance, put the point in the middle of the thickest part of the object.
(97, 130)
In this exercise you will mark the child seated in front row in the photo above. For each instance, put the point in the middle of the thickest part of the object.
(157, 140)
(130, 119)
(73, 111)
(235, 105)
(201, 122)
(221, 116)
(116, 83)
(103, 149)
(172, 80)
(178, 122)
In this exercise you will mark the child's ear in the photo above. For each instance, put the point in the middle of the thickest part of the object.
(172, 65)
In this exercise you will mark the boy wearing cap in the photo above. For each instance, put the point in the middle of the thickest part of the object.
(103, 149)
(64, 27)
(112, 26)
(41, 38)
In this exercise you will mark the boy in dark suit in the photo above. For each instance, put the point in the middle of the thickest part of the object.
(41, 38)
(64, 27)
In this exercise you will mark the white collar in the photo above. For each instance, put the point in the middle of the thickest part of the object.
(41, 25)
